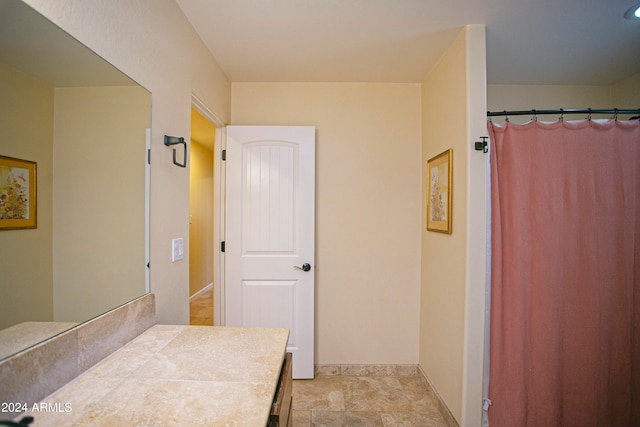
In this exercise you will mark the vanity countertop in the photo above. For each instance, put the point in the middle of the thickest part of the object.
(175, 375)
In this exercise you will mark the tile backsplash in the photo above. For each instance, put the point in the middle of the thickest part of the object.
(33, 374)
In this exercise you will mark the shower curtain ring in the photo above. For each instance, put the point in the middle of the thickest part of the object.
(561, 115)
(535, 116)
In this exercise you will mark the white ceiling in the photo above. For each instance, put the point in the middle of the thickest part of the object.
(528, 42)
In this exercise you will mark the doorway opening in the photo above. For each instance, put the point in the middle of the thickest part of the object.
(201, 219)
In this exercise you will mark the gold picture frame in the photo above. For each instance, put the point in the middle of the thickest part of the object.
(17, 193)
(439, 186)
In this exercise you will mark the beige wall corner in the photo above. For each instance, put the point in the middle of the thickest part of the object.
(476, 267)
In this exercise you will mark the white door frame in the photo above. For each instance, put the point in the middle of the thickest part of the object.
(218, 207)
(147, 213)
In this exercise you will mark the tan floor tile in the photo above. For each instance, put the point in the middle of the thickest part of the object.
(345, 418)
(421, 399)
(364, 401)
(301, 418)
(321, 393)
(375, 394)
(412, 419)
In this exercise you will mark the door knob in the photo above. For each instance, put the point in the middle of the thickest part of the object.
(305, 267)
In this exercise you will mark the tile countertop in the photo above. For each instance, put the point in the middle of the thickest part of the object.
(175, 375)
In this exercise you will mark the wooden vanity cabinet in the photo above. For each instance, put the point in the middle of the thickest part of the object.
(281, 408)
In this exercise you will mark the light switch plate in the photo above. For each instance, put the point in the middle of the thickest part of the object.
(177, 252)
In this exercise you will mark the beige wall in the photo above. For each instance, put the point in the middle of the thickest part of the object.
(443, 261)
(527, 97)
(153, 43)
(26, 120)
(367, 210)
(626, 94)
(99, 219)
(453, 266)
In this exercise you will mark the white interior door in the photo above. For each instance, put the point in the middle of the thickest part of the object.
(269, 239)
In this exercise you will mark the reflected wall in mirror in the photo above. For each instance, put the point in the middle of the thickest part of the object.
(84, 123)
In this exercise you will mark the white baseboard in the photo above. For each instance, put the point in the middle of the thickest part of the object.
(201, 291)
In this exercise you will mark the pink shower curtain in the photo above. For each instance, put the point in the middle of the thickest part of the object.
(565, 294)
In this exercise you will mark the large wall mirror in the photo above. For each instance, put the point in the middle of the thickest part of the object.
(85, 125)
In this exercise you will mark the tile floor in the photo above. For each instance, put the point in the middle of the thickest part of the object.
(201, 309)
(364, 401)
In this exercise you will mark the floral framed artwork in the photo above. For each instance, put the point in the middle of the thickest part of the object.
(439, 176)
(17, 193)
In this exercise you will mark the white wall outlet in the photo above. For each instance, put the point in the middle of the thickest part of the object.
(177, 252)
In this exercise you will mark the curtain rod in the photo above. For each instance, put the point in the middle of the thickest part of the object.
(563, 111)
(482, 145)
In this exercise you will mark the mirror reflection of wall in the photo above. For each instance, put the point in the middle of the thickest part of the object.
(84, 124)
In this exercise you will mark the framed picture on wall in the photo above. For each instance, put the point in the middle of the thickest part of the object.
(17, 193)
(439, 177)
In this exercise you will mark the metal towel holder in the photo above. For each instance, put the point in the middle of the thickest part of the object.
(173, 140)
